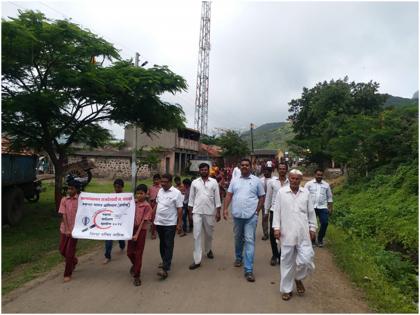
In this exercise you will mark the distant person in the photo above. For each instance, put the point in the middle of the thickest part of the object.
(273, 187)
(222, 183)
(153, 192)
(269, 164)
(185, 213)
(181, 188)
(135, 246)
(178, 184)
(68, 210)
(264, 222)
(294, 224)
(258, 169)
(118, 188)
(168, 220)
(214, 171)
(247, 196)
(236, 173)
(323, 202)
(205, 205)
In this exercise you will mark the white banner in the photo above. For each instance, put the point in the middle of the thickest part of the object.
(105, 216)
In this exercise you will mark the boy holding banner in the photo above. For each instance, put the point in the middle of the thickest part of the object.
(118, 188)
(135, 247)
(68, 209)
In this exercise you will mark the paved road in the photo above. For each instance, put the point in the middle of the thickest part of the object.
(214, 288)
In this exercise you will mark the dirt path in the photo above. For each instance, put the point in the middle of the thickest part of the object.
(216, 287)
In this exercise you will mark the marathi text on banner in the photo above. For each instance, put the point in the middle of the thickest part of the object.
(105, 216)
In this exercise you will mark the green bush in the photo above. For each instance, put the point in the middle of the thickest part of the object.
(369, 266)
(376, 230)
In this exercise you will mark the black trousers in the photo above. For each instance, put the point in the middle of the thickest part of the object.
(274, 247)
(166, 246)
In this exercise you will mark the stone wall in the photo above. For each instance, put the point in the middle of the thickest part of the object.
(112, 167)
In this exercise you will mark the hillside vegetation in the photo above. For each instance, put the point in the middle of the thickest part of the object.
(375, 236)
(271, 136)
(374, 138)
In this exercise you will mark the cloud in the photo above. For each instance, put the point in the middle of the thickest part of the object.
(262, 53)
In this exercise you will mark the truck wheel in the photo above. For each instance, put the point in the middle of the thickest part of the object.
(13, 205)
(33, 198)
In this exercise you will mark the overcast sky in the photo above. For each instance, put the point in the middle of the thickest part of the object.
(262, 53)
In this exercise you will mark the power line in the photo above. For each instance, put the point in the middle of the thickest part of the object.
(78, 22)
(70, 18)
(16, 5)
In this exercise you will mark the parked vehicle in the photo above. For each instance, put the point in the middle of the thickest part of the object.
(18, 174)
(194, 163)
(78, 171)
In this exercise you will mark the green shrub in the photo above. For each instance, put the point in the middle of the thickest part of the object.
(376, 235)
(388, 282)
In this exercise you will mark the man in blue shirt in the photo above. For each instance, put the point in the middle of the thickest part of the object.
(247, 195)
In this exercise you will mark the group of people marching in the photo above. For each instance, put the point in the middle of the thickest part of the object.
(290, 209)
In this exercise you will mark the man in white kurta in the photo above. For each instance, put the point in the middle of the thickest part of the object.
(294, 223)
(205, 204)
(236, 172)
(265, 179)
(273, 187)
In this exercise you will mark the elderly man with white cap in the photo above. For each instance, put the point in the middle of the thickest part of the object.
(294, 224)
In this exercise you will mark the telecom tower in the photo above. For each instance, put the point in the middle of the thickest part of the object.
(202, 89)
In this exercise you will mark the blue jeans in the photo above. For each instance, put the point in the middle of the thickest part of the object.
(323, 220)
(244, 231)
(185, 216)
(108, 248)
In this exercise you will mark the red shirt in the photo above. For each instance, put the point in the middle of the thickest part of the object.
(143, 210)
(153, 191)
(68, 208)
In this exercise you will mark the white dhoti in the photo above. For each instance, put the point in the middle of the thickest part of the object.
(202, 223)
(296, 263)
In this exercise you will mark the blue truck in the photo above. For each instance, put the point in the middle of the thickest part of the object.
(18, 176)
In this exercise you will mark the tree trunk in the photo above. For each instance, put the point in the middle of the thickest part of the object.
(58, 184)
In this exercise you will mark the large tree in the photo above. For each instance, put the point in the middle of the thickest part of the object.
(319, 113)
(60, 81)
(233, 147)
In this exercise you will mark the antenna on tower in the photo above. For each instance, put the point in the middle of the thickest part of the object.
(202, 89)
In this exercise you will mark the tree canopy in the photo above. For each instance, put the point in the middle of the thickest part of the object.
(318, 115)
(233, 147)
(60, 81)
(347, 122)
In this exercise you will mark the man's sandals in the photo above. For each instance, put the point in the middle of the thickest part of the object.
(286, 296)
(299, 287)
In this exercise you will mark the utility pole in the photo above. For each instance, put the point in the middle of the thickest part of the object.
(202, 89)
(252, 137)
(134, 152)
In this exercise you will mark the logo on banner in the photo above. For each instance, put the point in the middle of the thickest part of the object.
(105, 216)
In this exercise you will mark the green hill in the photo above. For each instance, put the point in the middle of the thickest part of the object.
(276, 134)
(399, 101)
(270, 136)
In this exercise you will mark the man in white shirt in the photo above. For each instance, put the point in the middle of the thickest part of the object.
(323, 202)
(273, 187)
(236, 173)
(294, 224)
(205, 204)
(168, 220)
(265, 179)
